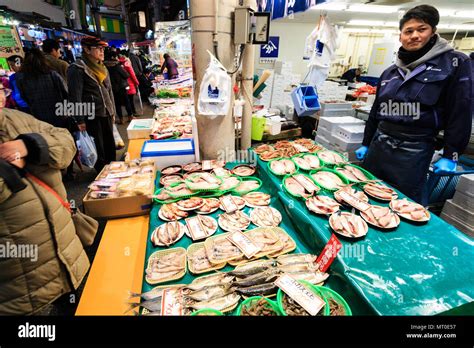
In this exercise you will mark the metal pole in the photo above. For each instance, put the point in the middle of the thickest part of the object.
(96, 14)
(126, 22)
(216, 136)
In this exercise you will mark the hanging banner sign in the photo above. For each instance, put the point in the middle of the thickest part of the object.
(285, 8)
(269, 52)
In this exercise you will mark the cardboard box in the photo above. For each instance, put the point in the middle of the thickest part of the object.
(116, 207)
(459, 224)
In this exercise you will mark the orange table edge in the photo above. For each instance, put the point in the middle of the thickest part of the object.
(118, 266)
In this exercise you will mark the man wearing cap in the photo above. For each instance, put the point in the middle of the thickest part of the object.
(89, 82)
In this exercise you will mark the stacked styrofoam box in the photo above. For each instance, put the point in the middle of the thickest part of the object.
(329, 128)
(341, 108)
(459, 211)
(349, 138)
(332, 91)
(332, 123)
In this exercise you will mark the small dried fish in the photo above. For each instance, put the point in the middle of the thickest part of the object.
(209, 280)
(219, 304)
(258, 308)
(265, 289)
(210, 293)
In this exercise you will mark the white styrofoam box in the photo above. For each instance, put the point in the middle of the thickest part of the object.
(140, 129)
(323, 141)
(458, 212)
(350, 134)
(272, 127)
(459, 224)
(330, 124)
(340, 105)
(325, 134)
(343, 145)
(466, 184)
(169, 152)
(337, 113)
(464, 200)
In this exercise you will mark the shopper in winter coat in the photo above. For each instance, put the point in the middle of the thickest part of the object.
(89, 82)
(52, 51)
(43, 89)
(15, 63)
(171, 67)
(132, 87)
(119, 80)
(428, 89)
(43, 257)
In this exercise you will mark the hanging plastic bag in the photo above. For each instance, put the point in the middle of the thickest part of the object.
(216, 90)
(119, 144)
(87, 149)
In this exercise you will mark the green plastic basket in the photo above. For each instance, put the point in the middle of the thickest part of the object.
(188, 183)
(329, 293)
(366, 173)
(248, 178)
(306, 154)
(289, 192)
(207, 311)
(159, 201)
(344, 180)
(232, 188)
(180, 197)
(331, 165)
(279, 159)
(248, 301)
(310, 286)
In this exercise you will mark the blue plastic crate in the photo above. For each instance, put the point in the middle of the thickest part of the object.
(441, 187)
(305, 100)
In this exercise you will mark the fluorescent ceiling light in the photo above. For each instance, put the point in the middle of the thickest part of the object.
(372, 8)
(368, 23)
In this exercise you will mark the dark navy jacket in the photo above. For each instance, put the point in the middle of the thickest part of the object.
(441, 88)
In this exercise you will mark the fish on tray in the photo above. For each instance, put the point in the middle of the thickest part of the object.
(348, 225)
(382, 217)
(283, 166)
(210, 205)
(352, 173)
(168, 233)
(265, 217)
(331, 157)
(257, 199)
(171, 212)
(322, 205)
(410, 210)
(380, 191)
(328, 180)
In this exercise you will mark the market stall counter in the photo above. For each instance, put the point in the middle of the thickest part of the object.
(414, 269)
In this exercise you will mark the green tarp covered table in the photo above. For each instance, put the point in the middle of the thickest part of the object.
(417, 269)
(357, 307)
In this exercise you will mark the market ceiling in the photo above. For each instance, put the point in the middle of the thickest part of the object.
(384, 14)
(30, 18)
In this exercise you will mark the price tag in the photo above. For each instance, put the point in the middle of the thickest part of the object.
(354, 201)
(244, 243)
(228, 204)
(172, 302)
(305, 182)
(206, 165)
(196, 229)
(300, 294)
(329, 253)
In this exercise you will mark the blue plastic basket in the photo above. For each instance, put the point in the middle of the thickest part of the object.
(305, 100)
(441, 187)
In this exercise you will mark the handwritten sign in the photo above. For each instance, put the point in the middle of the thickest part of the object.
(244, 243)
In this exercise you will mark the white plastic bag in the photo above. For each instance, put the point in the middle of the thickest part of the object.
(87, 149)
(119, 144)
(215, 93)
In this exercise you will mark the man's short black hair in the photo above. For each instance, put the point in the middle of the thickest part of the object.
(426, 13)
(15, 58)
(49, 45)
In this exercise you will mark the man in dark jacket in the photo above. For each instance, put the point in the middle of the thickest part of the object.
(427, 90)
(119, 79)
(89, 82)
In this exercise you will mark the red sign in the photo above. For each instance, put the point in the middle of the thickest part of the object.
(329, 253)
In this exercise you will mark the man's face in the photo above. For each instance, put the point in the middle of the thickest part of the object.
(415, 34)
(56, 53)
(96, 52)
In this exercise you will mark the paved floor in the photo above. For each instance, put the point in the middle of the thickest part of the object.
(76, 190)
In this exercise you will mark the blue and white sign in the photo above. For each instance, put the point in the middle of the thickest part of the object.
(269, 52)
(285, 8)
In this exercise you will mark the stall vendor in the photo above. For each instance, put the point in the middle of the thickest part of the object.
(428, 89)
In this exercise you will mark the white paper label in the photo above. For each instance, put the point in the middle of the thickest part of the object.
(244, 243)
(171, 302)
(206, 165)
(229, 204)
(301, 294)
(195, 228)
(354, 201)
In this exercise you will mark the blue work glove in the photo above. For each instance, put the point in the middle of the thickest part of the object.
(444, 165)
(361, 152)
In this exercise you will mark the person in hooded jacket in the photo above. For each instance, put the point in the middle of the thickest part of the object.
(32, 218)
(427, 90)
(119, 79)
